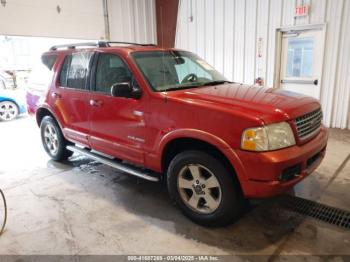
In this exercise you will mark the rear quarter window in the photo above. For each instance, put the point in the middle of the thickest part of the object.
(49, 60)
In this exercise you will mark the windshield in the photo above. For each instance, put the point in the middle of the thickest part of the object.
(174, 70)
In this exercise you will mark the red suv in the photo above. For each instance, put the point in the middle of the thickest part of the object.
(161, 113)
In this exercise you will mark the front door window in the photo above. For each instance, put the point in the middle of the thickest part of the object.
(110, 70)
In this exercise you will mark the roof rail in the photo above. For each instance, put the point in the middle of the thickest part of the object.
(94, 44)
(127, 43)
(73, 46)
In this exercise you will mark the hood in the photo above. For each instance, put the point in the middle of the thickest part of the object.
(267, 104)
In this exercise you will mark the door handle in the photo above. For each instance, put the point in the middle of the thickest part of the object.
(300, 82)
(56, 95)
(95, 103)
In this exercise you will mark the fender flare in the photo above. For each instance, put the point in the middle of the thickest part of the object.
(8, 99)
(46, 107)
(206, 137)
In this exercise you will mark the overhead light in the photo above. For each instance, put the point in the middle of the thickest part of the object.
(3, 3)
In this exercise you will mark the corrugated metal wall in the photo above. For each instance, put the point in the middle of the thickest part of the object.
(132, 20)
(226, 34)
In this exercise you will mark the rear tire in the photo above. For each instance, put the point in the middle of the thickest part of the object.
(204, 189)
(53, 140)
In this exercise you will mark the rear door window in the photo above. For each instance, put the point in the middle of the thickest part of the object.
(75, 70)
(64, 71)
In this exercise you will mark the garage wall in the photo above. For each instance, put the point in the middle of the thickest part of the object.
(226, 34)
(78, 19)
(129, 20)
(132, 20)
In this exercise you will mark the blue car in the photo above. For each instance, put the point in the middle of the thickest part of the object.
(11, 105)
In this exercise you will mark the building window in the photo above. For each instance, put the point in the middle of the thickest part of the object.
(300, 57)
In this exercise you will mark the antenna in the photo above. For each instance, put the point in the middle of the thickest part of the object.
(162, 35)
(161, 25)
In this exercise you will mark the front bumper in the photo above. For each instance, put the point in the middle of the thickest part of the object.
(264, 170)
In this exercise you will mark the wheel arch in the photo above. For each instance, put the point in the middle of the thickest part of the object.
(201, 141)
(42, 112)
(7, 99)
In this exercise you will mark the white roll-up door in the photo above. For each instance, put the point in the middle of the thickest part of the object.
(78, 19)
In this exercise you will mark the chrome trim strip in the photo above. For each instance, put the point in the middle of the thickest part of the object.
(114, 164)
(310, 135)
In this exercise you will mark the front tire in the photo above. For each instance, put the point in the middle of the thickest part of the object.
(53, 141)
(204, 189)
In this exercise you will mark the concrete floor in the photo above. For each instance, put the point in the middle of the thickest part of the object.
(83, 207)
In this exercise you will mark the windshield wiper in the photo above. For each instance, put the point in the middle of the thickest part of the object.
(216, 82)
(181, 87)
(197, 84)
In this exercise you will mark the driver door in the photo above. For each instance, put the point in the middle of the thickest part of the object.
(117, 123)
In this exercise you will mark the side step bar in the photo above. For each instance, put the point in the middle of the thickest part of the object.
(120, 166)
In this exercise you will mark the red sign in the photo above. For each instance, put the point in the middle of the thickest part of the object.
(302, 10)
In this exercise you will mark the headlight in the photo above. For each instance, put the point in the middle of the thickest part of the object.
(270, 137)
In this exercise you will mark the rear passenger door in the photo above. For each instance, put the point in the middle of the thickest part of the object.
(72, 96)
(117, 123)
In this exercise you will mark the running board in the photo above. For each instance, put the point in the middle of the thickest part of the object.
(119, 166)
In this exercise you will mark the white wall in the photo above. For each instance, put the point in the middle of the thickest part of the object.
(23, 53)
(78, 19)
(226, 33)
(129, 20)
(132, 20)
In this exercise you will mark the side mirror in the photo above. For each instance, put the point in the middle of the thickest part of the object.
(125, 89)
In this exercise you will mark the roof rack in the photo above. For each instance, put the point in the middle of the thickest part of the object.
(127, 43)
(94, 44)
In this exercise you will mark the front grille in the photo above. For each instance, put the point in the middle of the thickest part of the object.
(309, 124)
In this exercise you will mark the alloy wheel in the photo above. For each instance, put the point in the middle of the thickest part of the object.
(51, 139)
(8, 111)
(199, 188)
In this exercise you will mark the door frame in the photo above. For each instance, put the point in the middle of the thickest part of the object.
(279, 55)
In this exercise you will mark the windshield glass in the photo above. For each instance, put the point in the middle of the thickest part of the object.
(174, 70)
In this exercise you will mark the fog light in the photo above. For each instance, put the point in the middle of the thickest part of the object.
(290, 173)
